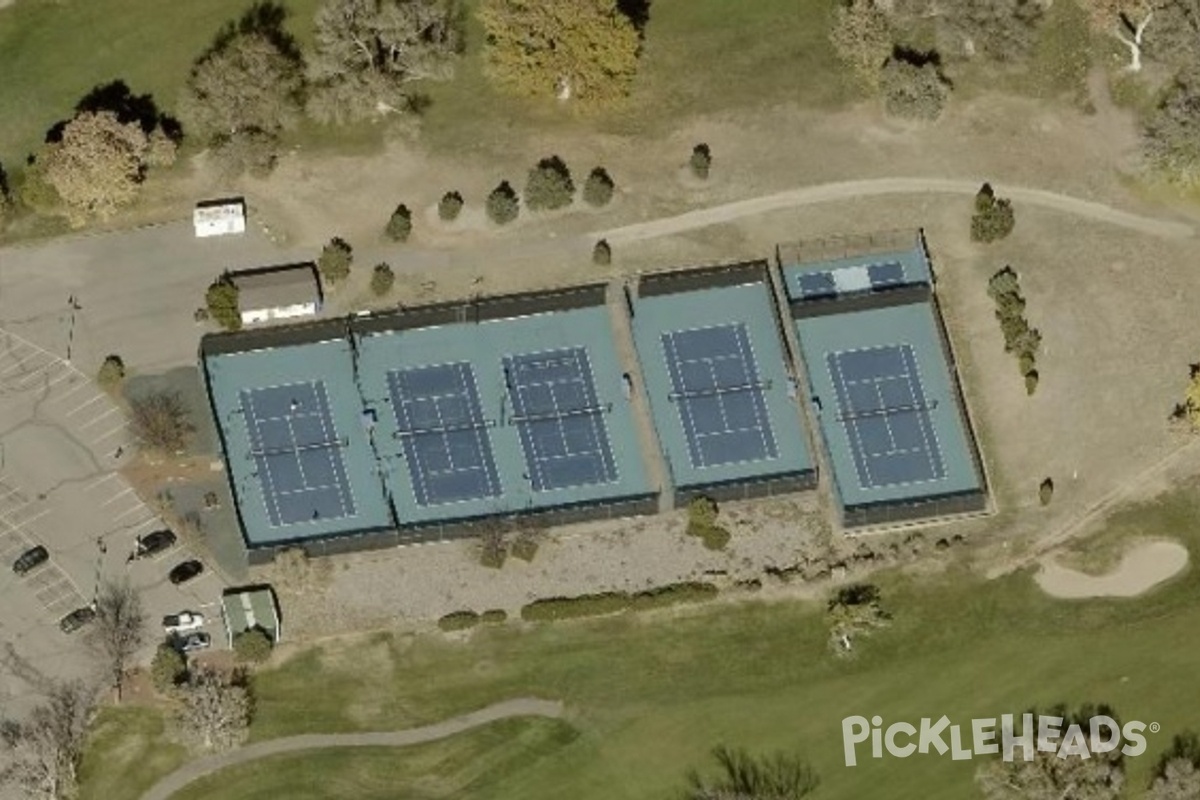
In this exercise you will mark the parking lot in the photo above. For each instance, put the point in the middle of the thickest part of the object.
(62, 443)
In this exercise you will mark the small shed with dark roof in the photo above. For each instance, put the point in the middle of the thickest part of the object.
(284, 292)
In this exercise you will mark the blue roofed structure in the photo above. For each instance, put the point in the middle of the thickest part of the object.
(722, 397)
(882, 386)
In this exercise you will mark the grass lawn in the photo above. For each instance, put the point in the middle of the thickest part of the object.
(465, 764)
(650, 695)
(126, 754)
(52, 53)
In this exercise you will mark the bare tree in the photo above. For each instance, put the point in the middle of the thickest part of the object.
(367, 50)
(161, 421)
(120, 628)
(1177, 775)
(779, 776)
(45, 750)
(214, 712)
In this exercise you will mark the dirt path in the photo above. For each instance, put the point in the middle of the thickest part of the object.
(850, 190)
(1143, 567)
(519, 707)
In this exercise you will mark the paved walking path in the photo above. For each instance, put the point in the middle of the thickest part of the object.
(850, 190)
(518, 707)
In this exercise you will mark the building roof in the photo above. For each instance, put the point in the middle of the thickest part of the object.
(277, 287)
(248, 608)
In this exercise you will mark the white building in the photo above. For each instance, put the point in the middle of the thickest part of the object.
(283, 292)
(219, 217)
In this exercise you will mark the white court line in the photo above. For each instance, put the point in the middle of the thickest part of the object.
(139, 507)
(77, 409)
(107, 477)
(117, 429)
(116, 496)
(94, 420)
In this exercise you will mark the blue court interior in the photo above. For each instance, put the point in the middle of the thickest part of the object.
(718, 384)
(880, 383)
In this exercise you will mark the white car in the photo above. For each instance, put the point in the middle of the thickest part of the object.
(183, 622)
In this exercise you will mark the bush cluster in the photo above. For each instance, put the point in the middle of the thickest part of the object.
(993, 219)
(913, 91)
(701, 161)
(595, 605)
(111, 373)
(602, 253)
(382, 279)
(1020, 339)
(221, 300)
(399, 226)
(702, 523)
(465, 620)
(252, 646)
(336, 258)
(598, 188)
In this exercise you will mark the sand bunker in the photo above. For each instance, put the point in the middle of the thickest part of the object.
(1143, 567)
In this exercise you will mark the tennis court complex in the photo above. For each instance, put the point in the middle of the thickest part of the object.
(720, 394)
(882, 389)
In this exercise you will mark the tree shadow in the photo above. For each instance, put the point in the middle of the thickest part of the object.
(265, 18)
(118, 98)
(638, 12)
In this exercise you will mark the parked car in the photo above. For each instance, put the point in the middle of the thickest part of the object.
(193, 641)
(183, 622)
(31, 559)
(153, 543)
(182, 573)
(77, 619)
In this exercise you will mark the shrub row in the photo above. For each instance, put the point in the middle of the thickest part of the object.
(1020, 338)
(595, 605)
(465, 620)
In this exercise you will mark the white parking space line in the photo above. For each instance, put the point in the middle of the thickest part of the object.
(74, 389)
(102, 479)
(20, 363)
(104, 436)
(82, 406)
(146, 523)
(26, 522)
(25, 381)
(116, 496)
(139, 507)
(66, 373)
(94, 420)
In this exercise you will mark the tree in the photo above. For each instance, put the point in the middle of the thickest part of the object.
(602, 253)
(1048, 777)
(450, 206)
(382, 279)
(503, 206)
(852, 611)
(549, 185)
(1189, 409)
(993, 218)
(1177, 775)
(585, 50)
(701, 161)
(111, 372)
(778, 776)
(367, 51)
(1046, 491)
(1171, 135)
(120, 628)
(1003, 30)
(913, 88)
(45, 749)
(335, 260)
(253, 646)
(399, 226)
(161, 149)
(702, 523)
(97, 166)
(160, 420)
(214, 712)
(222, 303)
(246, 89)
(168, 667)
(862, 38)
(598, 188)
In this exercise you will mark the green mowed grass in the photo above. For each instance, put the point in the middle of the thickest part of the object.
(650, 695)
(53, 53)
(464, 765)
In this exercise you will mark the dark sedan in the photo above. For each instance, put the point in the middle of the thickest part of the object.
(182, 573)
(30, 560)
